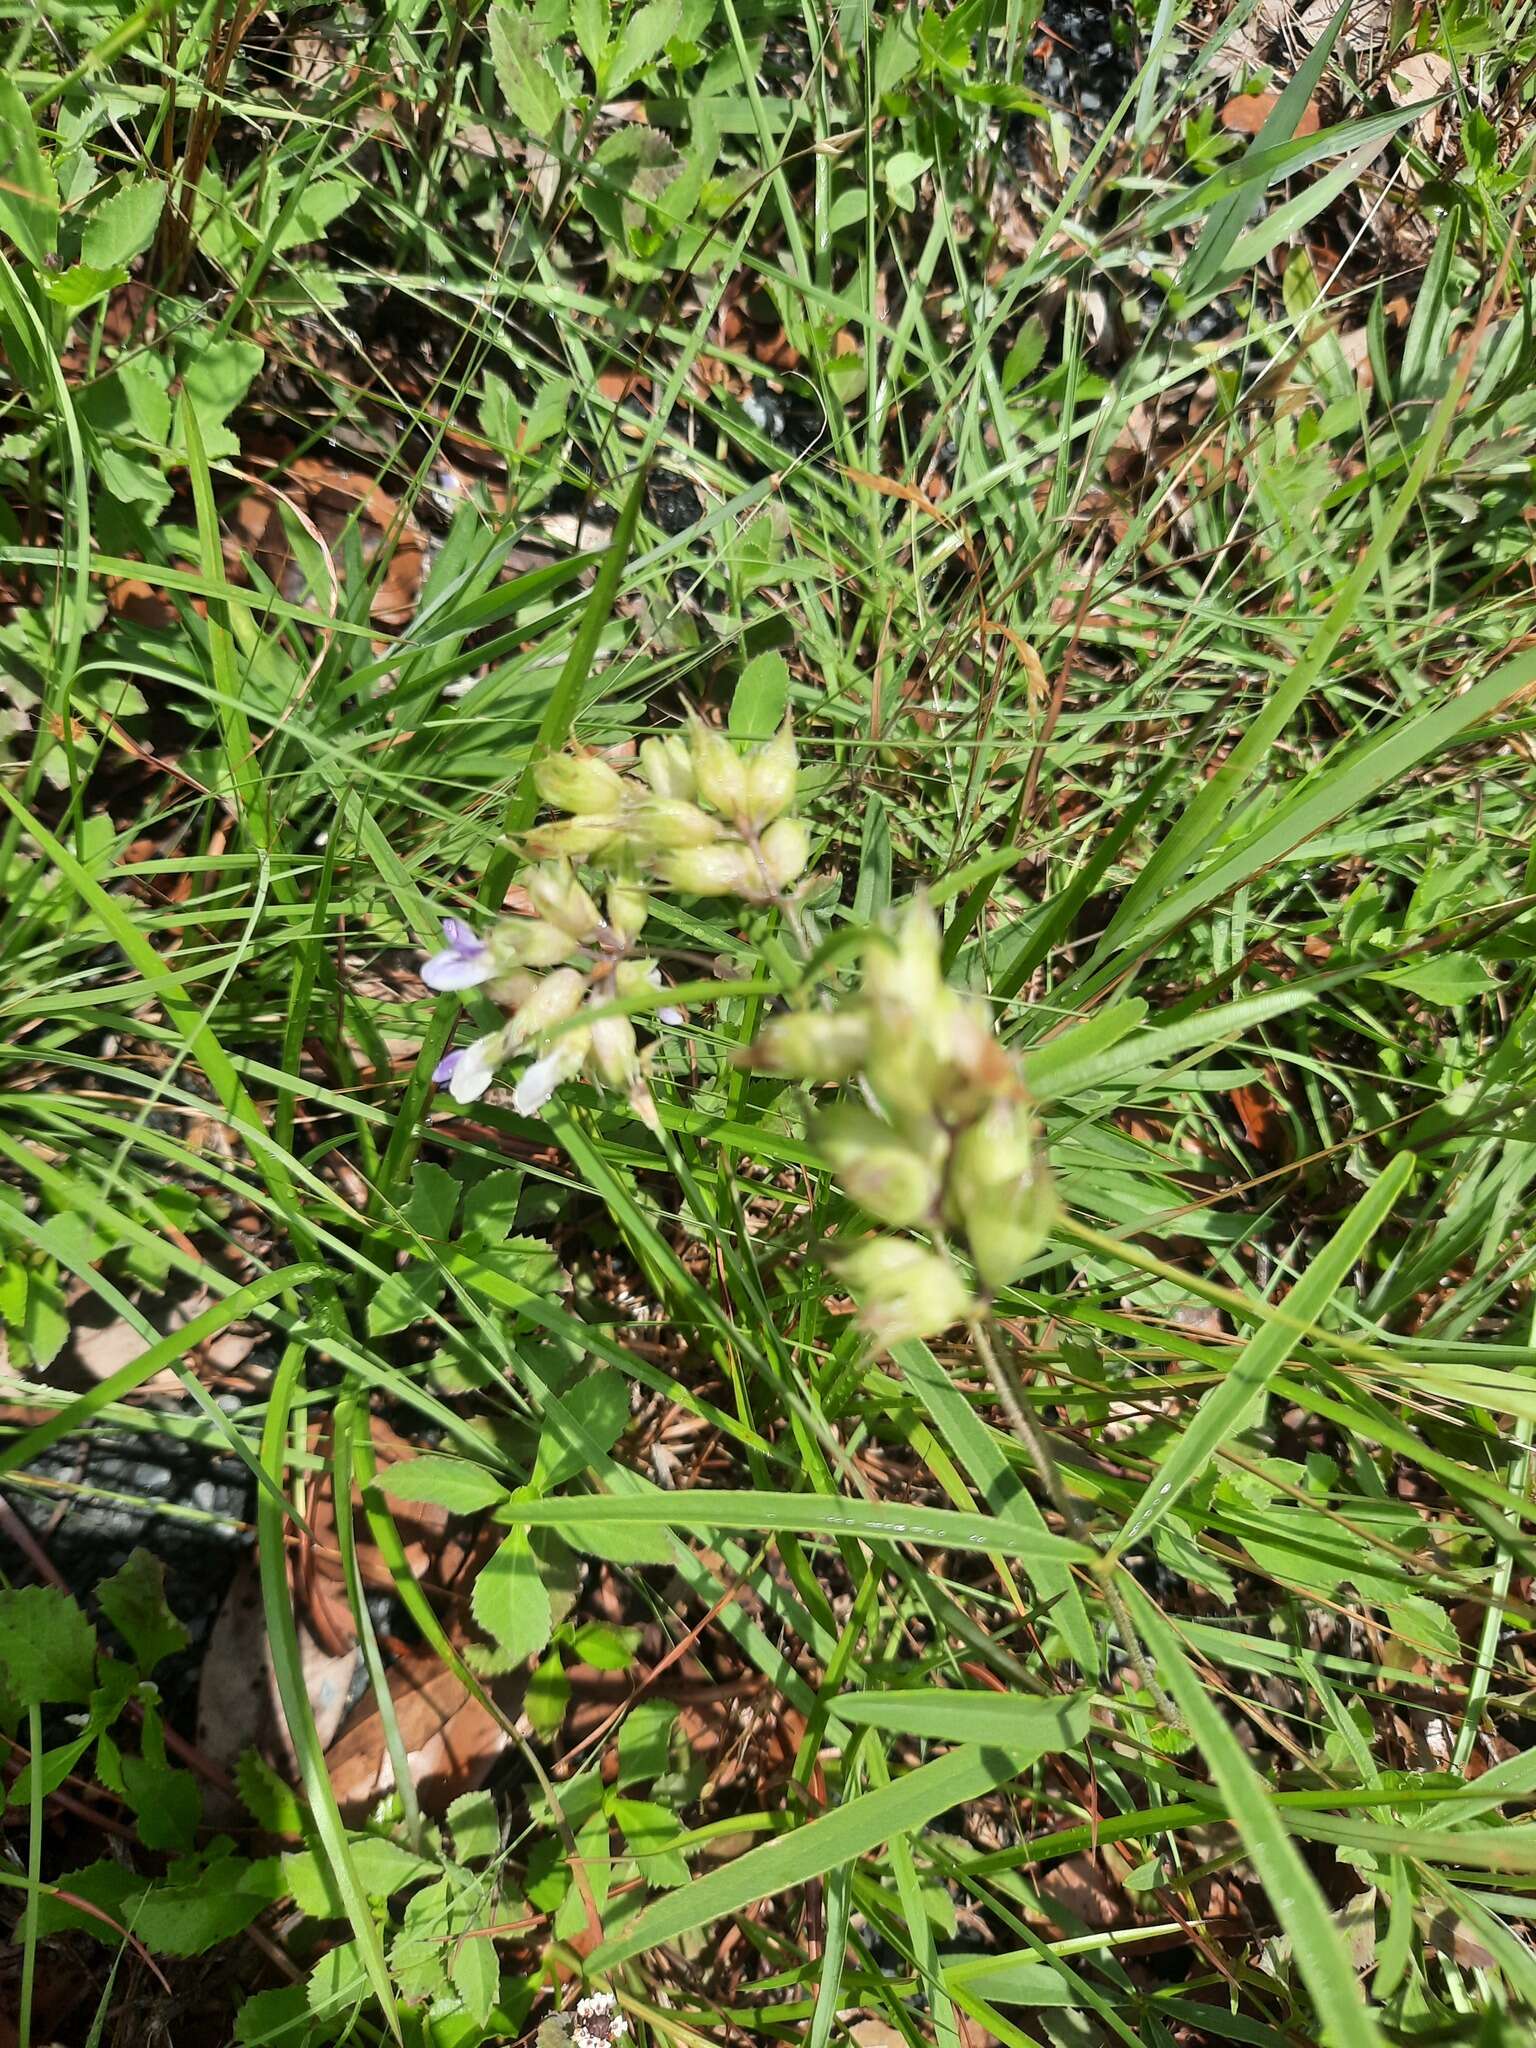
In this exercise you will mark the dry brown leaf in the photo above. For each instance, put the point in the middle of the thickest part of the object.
(435, 1559)
(1263, 1125)
(234, 1702)
(1247, 114)
(451, 1740)
(238, 1707)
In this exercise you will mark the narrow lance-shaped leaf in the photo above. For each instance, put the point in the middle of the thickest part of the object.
(1293, 1893)
(1223, 1409)
(811, 1851)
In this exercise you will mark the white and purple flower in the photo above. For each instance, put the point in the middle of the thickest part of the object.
(464, 962)
(470, 1069)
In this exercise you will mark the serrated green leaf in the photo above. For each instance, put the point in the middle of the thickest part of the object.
(474, 1975)
(527, 84)
(273, 1803)
(491, 1205)
(123, 226)
(1025, 355)
(509, 1600)
(650, 1832)
(383, 1868)
(82, 284)
(274, 2019)
(405, 1297)
(167, 1803)
(589, 25)
(323, 201)
(433, 1202)
(476, 1827)
(133, 1600)
(47, 1647)
(643, 38)
(215, 377)
(599, 1407)
(339, 1981)
(457, 1484)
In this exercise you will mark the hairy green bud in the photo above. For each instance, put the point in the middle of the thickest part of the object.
(669, 825)
(557, 895)
(668, 767)
(558, 996)
(511, 991)
(909, 973)
(580, 784)
(531, 942)
(773, 774)
(572, 838)
(720, 772)
(724, 870)
(894, 1176)
(811, 1045)
(614, 1052)
(786, 851)
(903, 1290)
(999, 1192)
(628, 905)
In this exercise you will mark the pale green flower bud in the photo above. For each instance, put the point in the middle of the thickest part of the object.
(512, 990)
(894, 1177)
(811, 1045)
(668, 767)
(902, 1066)
(725, 870)
(557, 895)
(910, 972)
(636, 977)
(903, 1290)
(628, 905)
(975, 1068)
(669, 825)
(572, 838)
(614, 1056)
(786, 850)
(580, 784)
(1000, 1192)
(773, 774)
(719, 770)
(558, 996)
(533, 943)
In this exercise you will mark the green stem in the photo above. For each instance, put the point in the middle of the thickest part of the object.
(34, 1874)
(1010, 1393)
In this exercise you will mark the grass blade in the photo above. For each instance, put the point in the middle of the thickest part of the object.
(1225, 1407)
(809, 1852)
(1299, 1905)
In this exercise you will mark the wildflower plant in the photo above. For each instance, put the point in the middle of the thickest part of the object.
(938, 1137)
(702, 817)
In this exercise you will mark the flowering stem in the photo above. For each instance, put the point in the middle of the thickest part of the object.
(1010, 1393)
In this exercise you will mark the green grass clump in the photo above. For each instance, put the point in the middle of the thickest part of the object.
(984, 1408)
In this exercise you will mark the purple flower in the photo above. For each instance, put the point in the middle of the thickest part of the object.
(469, 1070)
(463, 963)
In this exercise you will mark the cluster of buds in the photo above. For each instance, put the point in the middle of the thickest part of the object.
(701, 817)
(943, 1139)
